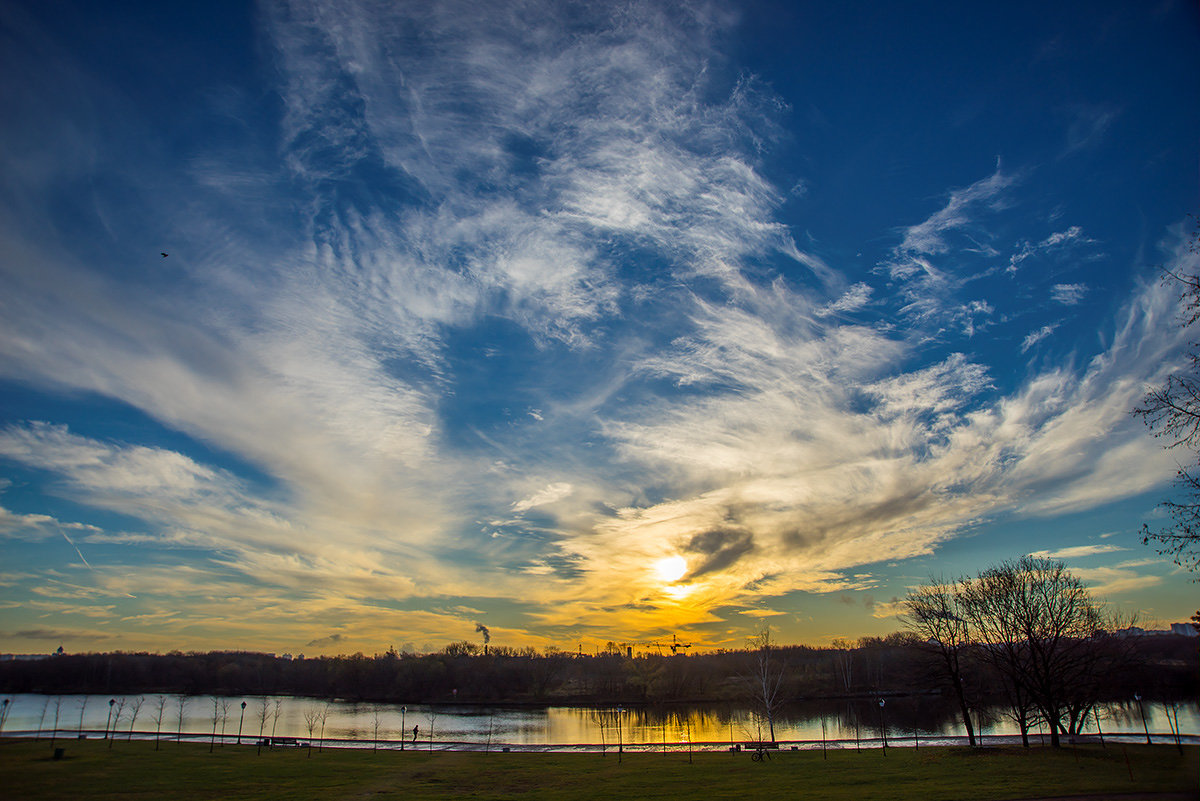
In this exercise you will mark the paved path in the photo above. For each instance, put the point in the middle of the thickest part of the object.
(1135, 796)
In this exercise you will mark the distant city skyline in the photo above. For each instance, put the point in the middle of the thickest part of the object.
(330, 327)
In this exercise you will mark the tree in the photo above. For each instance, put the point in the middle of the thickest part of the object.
(5, 708)
(321, 717)
(181, 701)
(766, 681)
(843, 663)
(161, 705)
(216, 718)
(262, 721)
(120, 707)
(82, 706)
(312, 716)
(224, 717)
(933, 614)
(376, 713)
(1172, 411)
(1038, 625)
(135, 707)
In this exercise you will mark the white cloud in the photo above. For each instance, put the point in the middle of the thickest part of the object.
(1059, 240)
(551, 494)
(1105, 582)
(1037, 336)
(1076, 551)
(853, 299)
(1068, 294)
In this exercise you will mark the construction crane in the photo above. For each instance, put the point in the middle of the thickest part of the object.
(676, 644)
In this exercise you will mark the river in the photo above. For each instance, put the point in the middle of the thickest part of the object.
(906, 722)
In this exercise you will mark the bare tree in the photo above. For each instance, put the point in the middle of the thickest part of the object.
(262, 720)
(1172, 411)
(376, 713)
(933, 614)
(323, 715)
(57, 709)
(312, 715)
(224, 718)
(1036, 622)
(42, 719)
(6, 707)
(119, 711)
(82, 706)
(158, 718)
(843, 663)
(181, 701)
(216, 718)
(135, 707)
(766, 681)
(276, 708)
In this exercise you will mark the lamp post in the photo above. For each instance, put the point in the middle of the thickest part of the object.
(111, 701)
(1137, 697)
(620, 741)
(882, 728)
(403, 728)
(240, 721)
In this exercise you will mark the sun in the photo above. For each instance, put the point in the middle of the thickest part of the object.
(670, 569)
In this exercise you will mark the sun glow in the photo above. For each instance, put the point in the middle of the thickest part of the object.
(670, 569)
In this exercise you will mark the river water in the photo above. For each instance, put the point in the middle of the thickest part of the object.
(846, 724)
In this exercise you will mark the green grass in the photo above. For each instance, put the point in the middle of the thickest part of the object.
(134, 770)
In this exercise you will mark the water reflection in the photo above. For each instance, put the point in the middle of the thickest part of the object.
(841, 722)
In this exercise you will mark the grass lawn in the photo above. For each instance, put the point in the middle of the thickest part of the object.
(134, 770)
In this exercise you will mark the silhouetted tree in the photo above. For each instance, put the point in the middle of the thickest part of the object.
(933, 614)
(1036, 622)
(1172, 411)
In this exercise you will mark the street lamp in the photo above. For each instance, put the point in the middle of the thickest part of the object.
(620, 742)
(403, 727)
(1137, 697)
(240, 721)
(111, 701)
(882, 728)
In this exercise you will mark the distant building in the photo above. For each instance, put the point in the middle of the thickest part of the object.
(1177, 629)
(22, 657)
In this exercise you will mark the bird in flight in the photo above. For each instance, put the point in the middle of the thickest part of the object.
(164, 255)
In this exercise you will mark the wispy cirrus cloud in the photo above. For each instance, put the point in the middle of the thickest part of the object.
(1034, 337)
(1068, 294)
(1077, 551)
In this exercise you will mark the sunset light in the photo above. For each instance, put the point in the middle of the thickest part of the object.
(336, 326)
(671, 569)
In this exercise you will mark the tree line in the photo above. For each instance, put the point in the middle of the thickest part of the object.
(1051, 674)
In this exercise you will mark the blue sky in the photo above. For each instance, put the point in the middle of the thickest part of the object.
(583, 321)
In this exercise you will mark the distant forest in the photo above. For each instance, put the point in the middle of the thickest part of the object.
(1165, 666)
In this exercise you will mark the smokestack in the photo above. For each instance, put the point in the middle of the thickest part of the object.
(487, 636)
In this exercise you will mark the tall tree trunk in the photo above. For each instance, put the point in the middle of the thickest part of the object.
(966, 711)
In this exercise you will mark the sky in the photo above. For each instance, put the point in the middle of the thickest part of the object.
(329, 327)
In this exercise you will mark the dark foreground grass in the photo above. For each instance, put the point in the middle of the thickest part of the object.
(134, 770)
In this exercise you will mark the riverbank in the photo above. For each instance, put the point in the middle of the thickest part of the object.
(98, 769)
